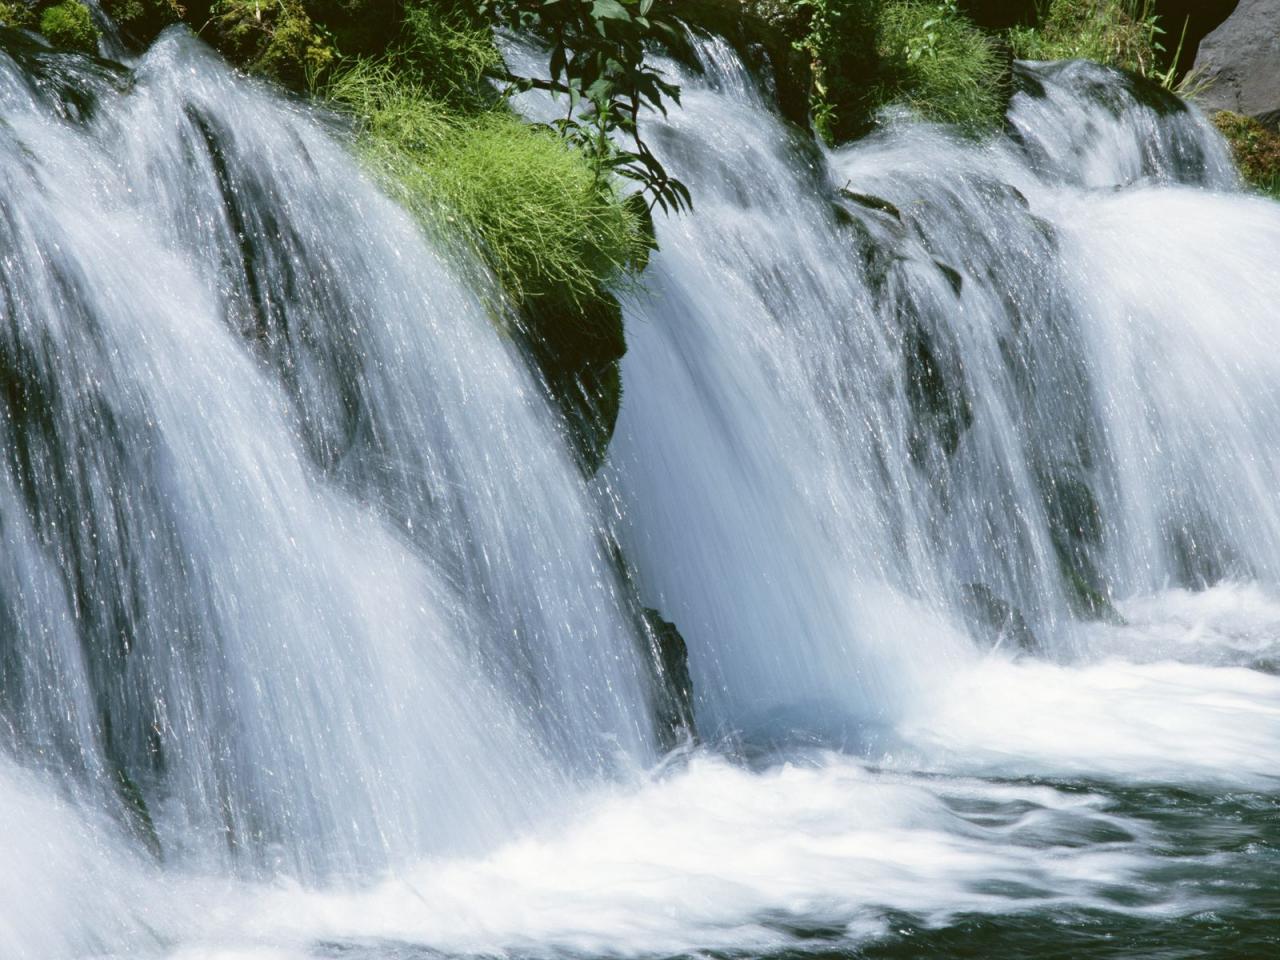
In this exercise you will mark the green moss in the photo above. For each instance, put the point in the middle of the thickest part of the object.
(1256, 149)
(1119, 33)
(69, 26)
(935, 61)
(17, 14)
(278, 40)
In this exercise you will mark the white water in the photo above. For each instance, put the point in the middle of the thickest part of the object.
(1116, 340)
(397, 697)
(295, 542)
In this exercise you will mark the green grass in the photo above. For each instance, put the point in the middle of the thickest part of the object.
(534, 208)
(1119, 33)
(938, 63)
(447, 51)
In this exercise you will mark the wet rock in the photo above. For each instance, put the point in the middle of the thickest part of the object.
(674, 707)
(1076, 528)
(578, 346)
(955, 279)
(764, 33)
(871, 203)
(939, 397)
(995, 619)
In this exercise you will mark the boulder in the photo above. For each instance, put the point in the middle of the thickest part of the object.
(1241, 62)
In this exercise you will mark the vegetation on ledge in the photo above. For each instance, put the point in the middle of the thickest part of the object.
(1256, 149)
(69, 26)
(17, 14)
(544, 211)
(936, 62)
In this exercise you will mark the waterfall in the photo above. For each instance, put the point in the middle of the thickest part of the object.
(952, 459)
(299, 574)
(925, 396)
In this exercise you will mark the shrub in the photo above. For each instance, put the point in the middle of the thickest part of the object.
(1119, 33)
(1256, 149)
(924, 54)
(840, 41)
(278, 39)
(536, 209)
(69, 26)
(448, 51)
(935, 61)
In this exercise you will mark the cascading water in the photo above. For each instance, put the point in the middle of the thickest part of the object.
(950, 459)
(924, 392)
(298, 574)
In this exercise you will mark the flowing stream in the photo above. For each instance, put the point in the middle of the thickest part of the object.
(955, 463)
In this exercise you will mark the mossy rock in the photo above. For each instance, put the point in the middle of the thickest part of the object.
(18, 14)
(1255, 148)
(278, 40)
(69, 26)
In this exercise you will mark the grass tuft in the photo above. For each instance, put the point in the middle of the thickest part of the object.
(1119, 33)
(534, 208)
(937, 62)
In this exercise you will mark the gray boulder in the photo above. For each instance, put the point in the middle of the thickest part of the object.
(1241, 60)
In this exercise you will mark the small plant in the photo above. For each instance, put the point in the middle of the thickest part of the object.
(69, 26)
(532, 205)
(278, 40)
(598, 64)
(1256, 149)
(935, 61)
(1118, 33)
(840, 43)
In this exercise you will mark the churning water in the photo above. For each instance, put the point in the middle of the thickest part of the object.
(954, 462)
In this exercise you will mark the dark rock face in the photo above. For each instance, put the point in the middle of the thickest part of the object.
(1242, 60)
(996, 621)
(1198, 18)
(674, 707)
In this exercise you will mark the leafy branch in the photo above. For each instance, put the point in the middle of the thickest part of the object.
(598, 63)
